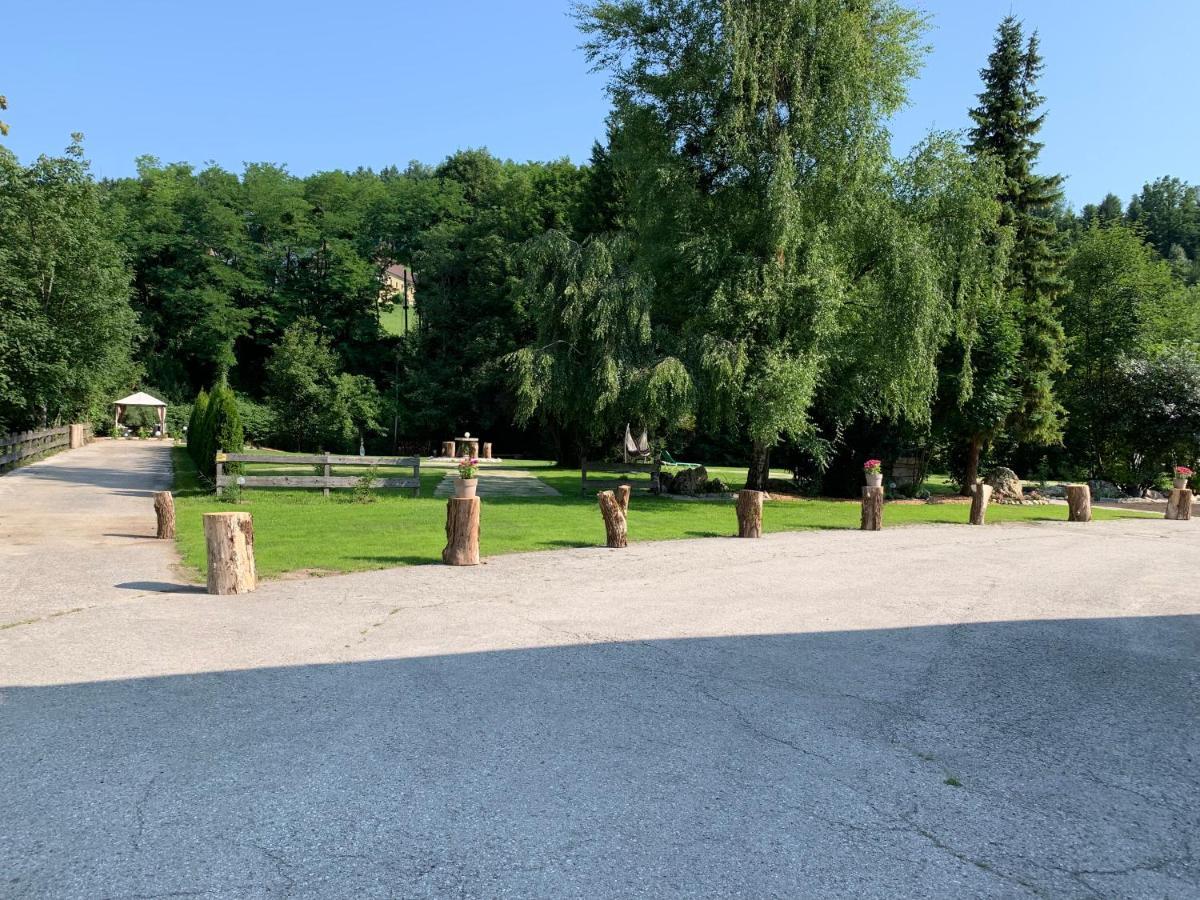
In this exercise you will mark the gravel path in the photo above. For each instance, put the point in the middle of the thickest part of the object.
(930, 711)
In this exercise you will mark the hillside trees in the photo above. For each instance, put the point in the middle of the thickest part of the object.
(66, 327)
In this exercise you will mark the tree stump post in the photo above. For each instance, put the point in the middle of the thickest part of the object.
(164, 511)
(622, 493)
(485, 450)
(448, 449)
(462, 532)
(615, 528)
(229, 538)
(981, 495)
(1179, 504)
(1079, 503)
(77, 437)
(872, 509)
(749, 513)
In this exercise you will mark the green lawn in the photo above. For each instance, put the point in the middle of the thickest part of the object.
(392, 320)
(301, 530)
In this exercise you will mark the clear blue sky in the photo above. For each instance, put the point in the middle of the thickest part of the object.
(367, 82)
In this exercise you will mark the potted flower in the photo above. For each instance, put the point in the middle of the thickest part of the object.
(468, 468)
(873, 470)
(1182, 474)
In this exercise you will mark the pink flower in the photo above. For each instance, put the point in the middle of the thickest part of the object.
(1183, 472)
(872, 465)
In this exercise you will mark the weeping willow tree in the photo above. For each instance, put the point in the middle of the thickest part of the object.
(793, 258)
(595, 363)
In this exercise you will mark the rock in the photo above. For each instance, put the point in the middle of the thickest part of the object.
(1152, 494)
(690, 481)
(1004, 483)
(716, 486)
(1054, 490)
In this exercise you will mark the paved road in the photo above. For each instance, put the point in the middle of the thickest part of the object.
(73, 526)
(937, 712)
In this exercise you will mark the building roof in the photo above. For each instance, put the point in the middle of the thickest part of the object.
(141, 398)
(401, 271)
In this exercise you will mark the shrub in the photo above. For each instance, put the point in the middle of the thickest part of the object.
(195, 432)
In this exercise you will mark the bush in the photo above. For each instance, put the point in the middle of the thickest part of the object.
(258, 422)
(195, 432)
(222, 429)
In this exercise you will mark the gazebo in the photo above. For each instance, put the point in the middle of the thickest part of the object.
(141, 398)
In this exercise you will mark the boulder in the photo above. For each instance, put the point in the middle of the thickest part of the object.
(1004, 483)
(1152, 494)
(689, 481)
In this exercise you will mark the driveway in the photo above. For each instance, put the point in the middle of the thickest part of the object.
(931, 711)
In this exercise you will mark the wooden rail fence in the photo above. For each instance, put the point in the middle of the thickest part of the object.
(587, 485)
(23, 444)
(324, 481)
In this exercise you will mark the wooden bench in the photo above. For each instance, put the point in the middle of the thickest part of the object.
(653, 469)
(324, 481)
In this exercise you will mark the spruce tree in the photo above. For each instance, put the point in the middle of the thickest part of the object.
(1007, 122)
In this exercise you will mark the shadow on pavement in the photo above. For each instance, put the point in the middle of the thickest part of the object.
(997, 759)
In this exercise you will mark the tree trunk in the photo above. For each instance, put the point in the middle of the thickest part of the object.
(1179, 504)
(749, 513)
(462, 532)
(972, 476)
(448, 449)
(616, 533)
(230, 541)
(759, 470)
(164, 510)
(872, 508)
(1079, 503)
(622, 494)
(979, 503)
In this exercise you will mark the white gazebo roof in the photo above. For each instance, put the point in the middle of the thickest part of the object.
(141, 398)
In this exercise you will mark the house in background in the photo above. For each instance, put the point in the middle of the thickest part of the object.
(399, 286)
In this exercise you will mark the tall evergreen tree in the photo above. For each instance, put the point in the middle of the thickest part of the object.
(1007, 122)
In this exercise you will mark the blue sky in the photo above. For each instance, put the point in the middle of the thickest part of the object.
(366, 82)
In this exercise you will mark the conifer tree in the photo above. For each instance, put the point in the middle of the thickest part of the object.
(1007, 122)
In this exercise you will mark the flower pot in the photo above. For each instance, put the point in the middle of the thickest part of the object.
(1180, 482)
(464, 488)
(874, 479)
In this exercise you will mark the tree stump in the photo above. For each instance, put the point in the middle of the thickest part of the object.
(448, 449)
(462, 532)
(485, 450)
(749, 513)
(622, 494)
(230, 541)
(615, 529)
(77, 437)
(1079, 503)
(164, 509)
(1179, 504)
(981, 495)
(872, 508)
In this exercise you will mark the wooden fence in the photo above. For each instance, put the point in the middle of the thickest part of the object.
(324, 481)
(652, 468)
(23, 444)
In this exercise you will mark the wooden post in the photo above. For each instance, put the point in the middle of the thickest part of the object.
(1179, 504)
(622, 494)
(229, 538)
(1079, 503)
(872, 509)
(749, 513)
(980, 495)
(220, 473)
(615, 530)
(164, 509)
(462, 532)
(486, 452)
(77, 438)
(448, 449)
(328, 471)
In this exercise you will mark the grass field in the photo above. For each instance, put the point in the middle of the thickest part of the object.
(392, 320)
(302, 530)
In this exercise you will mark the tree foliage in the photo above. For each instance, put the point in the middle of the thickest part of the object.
(66, 326)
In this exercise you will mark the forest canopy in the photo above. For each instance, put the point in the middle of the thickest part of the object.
(743, 268)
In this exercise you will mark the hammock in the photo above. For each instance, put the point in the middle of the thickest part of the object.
(639, 448)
